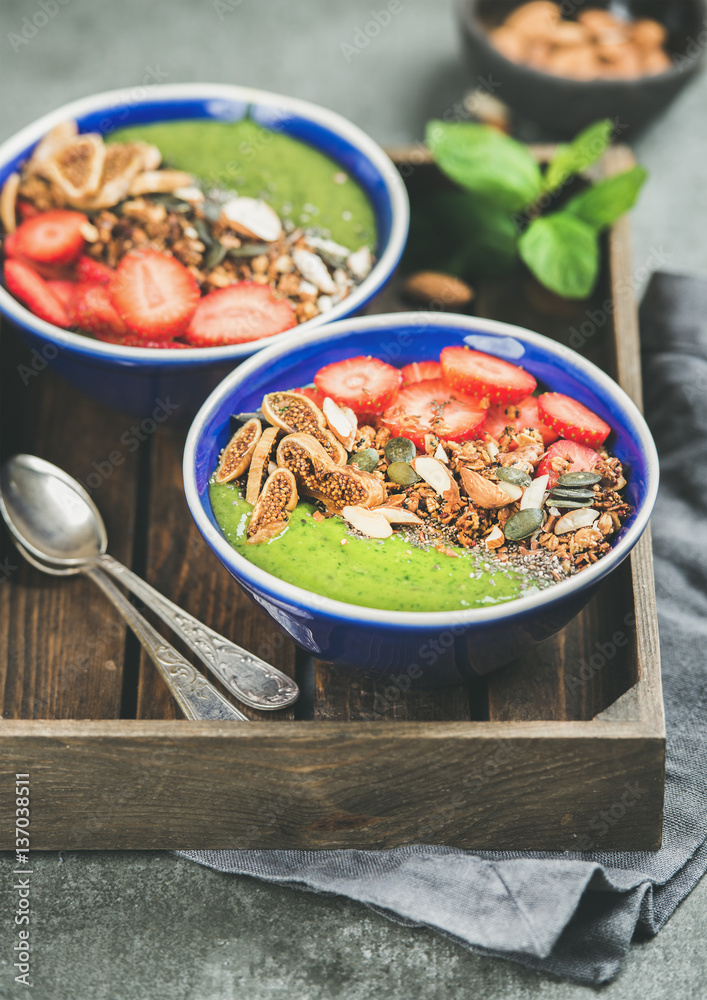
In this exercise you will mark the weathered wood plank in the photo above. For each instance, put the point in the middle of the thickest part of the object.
(181, 566)
(62, 647)
(335, 785)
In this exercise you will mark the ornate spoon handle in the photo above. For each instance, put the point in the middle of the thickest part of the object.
(250, 679)
(196, 696)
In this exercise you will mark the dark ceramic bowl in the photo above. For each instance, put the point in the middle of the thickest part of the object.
(436, 647)
(564, 106)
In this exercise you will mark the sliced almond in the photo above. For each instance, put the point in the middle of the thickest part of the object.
(514, 491)
(236, 456)
(397, 515)
(575, 519)
(360, 263)
(160, 182)
(491, 450)
(8, 201)
(535, 493)
(441, 455)
(151, 156)
(495, 538)
(312, 268)
(368, 522)
(438, 476)
(340, 423)
(482, 491)
(253, 218)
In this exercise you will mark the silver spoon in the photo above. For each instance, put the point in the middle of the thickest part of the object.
(197, 697)
(54, 519)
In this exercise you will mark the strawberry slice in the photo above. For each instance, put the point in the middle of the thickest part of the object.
(367, 385)
(51, 237)
(420, 371)
(238, 314)
(34, 292)
(311, 392)
(568, 456)
(519, 415)
(94, 312)
(64, 291)
(479, 374)
(154, 295)
(93, 271)
(431, 407)
(50, 272)
(572, 419)
(162, 344)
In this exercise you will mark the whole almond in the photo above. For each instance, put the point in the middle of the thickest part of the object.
(430, 287)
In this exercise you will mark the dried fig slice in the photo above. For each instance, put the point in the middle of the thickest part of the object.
(273, 508)
(236, 456)
(124, 161)
(76, 167)
(160, 181)
(317, 476)
(51, 144)
(259, 463)
(297, 414)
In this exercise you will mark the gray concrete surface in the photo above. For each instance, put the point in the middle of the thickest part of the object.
(123, 926)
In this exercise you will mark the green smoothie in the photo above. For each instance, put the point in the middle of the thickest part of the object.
(299, 182)
(390, 574)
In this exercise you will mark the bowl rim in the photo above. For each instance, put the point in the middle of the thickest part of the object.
(307, 601)
(105, 352)
(468, 14)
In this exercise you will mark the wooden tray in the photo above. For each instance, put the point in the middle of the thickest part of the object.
(562, 749)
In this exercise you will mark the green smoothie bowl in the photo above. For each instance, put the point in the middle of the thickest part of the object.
(152, 239)
(420, 494)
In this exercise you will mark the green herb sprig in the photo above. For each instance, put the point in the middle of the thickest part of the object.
(501, 213)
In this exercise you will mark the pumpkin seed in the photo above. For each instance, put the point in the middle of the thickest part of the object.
(249, 250)
(400, 449)
(515, 476)
(204, 232)
(365, 460)
(403, 474)
(522, 524)
(579, 479)
(578, 494)
(570, 504)
(214, 255)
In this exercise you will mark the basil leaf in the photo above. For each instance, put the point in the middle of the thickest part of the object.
(563, 254)
(606, 201)
(585, 149)
(486, 162)
(458, 233)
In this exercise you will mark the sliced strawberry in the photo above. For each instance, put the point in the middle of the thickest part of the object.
(420, 371)
(50, 272)
(238, 314)
(26, 210)
(579, 457)
(51, 237)
(88, 269)
(367, 385)
(311, 392)
(431, 407)
(64, 291)
(34, 292)
(154, 295)
(94, 312)
(479, 374)
(572, 419)
(170, 345)
(519, 415)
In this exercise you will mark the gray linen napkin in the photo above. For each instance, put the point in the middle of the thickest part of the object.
(572, 914)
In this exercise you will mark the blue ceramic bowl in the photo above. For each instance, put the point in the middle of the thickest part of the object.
(136, 379)
(436, 647)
